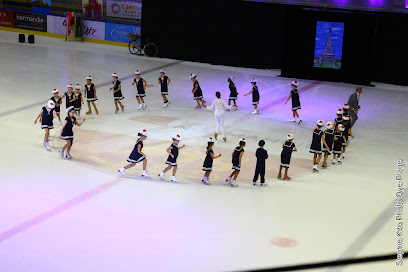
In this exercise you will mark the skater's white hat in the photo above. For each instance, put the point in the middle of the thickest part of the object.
(70, 108)
(346, 106)
(70, 86)
(77, 87)
(210, 140)
(55, 91)
(177, 138)
(143, 133)
(329, 125)
(242, 140)
(192, 76)
(320, 123)
(295, 83)
(50, 104)
(115, 75)
(289, 137)
(163, 71)
(253, 80)
(138, 72)
(341, 127)
(346, 117)
(339, 111)
(89, 77)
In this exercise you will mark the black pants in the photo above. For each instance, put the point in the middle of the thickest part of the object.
(259, 171)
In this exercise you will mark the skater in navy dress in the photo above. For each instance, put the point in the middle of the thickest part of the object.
(236, 163)
(198, 93)
(339, 119)
(347, 132)
(287, 148)
(294, 94)
(329, 138)
(316, 146)
(117, 92)
(261, 156)
(47, 114)
(338, 143)
(255, 96)
(58, 101)
(164, 82)
(67, 132)
(137, 155)
(79, 100)
(208, 162)
(346, 108)
(90, 94)
(141, 89)
(70, 96)
(233, 92)
(173, 151)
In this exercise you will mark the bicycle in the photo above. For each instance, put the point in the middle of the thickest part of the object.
(138, 48)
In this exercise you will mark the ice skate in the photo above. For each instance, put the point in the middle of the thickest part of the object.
(161, 176)
(264, 184)
(145, 174)
(206, 182)
(334, 161)
(60, 121)
(47, 145)
(300, 120)
(233, 184)
(198, 107)
(88, 112)
(225, 139)
(228, 180)
(122, 171)
(254, 183)
(166, 104)
(61, 152)
(116, 111)
(174, 179)
(140, 106)
(287, 178)
(254, 112)
(339, 161)
(342, 156)
(144, 106)
(292, 120)
(123, 108)
(315, 170)
(68, 156)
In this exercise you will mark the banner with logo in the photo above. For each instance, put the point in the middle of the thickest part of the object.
(92, 9)
(6, 18)
(41, 6)
(119, 32)
(30, 21)
(92, 29)
(124, 9)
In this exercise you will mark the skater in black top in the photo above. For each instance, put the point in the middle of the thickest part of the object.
(47, 114)
(236, 163)
(338, 143)
(255, 96)
(208, 162)
(70, 96)
(328, 137)
(173, 151)
(233, 92)
(294, 94)
(67, 132)
(316, 146)
(117, 92)
(58, 101)
(164, 82)
(79, 100)
(339, 119)
(90, 94)
(198, 93)
(287, 148)
(137, 156)
(261, 155)
(141, 89)
(347, 132)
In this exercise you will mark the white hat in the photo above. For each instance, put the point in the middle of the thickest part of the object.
(50, 104)
(89, 77)
(192, 76)
(70, 108)
(211, 140)
(295, 83)
(177, 138)
(163, 71)
(55, 91)
(339, 111)
(242, 140)
(320, 123)
(346, 106)
(138, 72)
(143, 133)
(231, 77)
(346, 117)
(329, 125)
(115, 75)
(253, 80)
(341, 127)
(70, 86)
(289, 137)
(77, 87)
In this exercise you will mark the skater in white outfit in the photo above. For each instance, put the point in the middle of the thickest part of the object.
(218, 105)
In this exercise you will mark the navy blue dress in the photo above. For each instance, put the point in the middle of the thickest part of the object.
(198, 93)
(67, 98)
(295, 100)
(329, 138)
(139, 87)
(175, 151)
(57, 101)
(67, 132)
(164, 85)
(47, 117)
(118, 95)
(316, 146)
(208, 162)
(286, 153)
(78, 102)
(135, 156)
(337, 146)
(255, 96)
(233, 92)
(90, 92)
(235, 158)
(338, 121)
(346, 130)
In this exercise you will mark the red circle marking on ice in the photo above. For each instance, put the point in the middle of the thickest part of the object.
(283, 242)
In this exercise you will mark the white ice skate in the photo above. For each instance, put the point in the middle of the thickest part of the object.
(254, 112)
(144, 106)
(61, 153)
(166, 104)
(233, 184)
(174, 179)
(264, 184)
(47, 145)
(300, 120)
(206, 181)
(339, 161)
(293, 120)
(315, 170)
(140, 106)
(68, 156)
(228, 180)
(334, 161)
(122, 171)
(145, 174)
(161, 176)
(342, 156)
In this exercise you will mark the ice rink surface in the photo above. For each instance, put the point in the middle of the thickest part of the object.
(80, 215)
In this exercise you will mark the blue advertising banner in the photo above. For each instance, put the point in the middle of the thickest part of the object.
(119, 32)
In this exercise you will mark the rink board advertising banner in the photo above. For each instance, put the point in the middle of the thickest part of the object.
(119, 32)
(124, 9)
(30, 21)
(6, 18)
(92, 29)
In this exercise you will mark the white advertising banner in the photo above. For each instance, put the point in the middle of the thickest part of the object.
(92, 29)
(124, 9)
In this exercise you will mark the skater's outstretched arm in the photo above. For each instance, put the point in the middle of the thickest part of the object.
(78, 123)
(212, 106)
(214, 157)
(249, 92)
(62, 97)
(39, 115)
(288, 98)
(182, 146)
